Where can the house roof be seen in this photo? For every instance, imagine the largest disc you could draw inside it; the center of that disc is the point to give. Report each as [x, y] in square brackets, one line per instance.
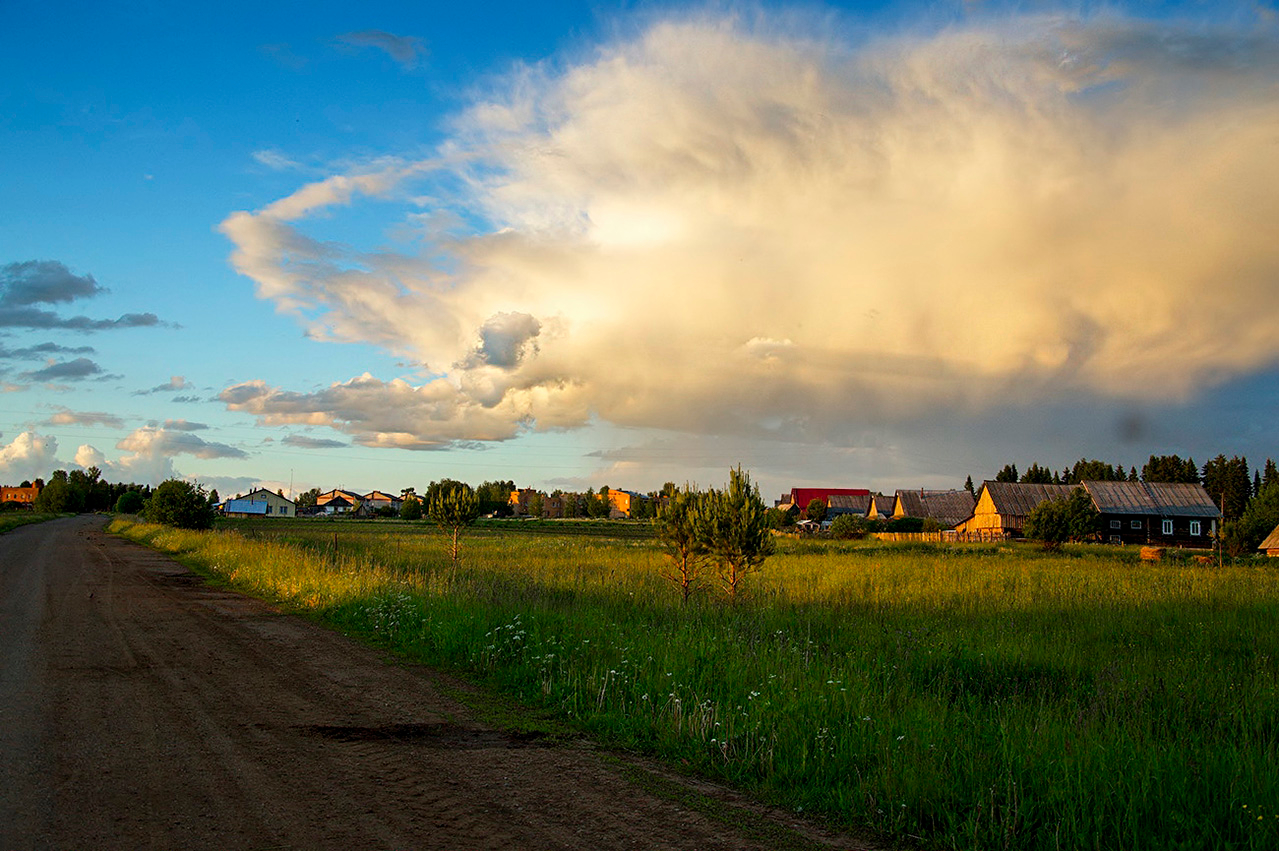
[337, 493]
[1021, 498]
[379, 496]
[1182, 499]
[1272, 541]
[803, 496]
[1160, 499]
[269, 492]
[245, 506]
[849, 502]
[949, 507]
[883, 503]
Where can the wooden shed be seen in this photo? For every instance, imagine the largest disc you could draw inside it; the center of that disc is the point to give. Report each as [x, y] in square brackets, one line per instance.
[949, 508]
[1001, 509]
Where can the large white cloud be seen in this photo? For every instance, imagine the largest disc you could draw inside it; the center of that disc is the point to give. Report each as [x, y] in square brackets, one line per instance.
[711, 228]
[28, 456]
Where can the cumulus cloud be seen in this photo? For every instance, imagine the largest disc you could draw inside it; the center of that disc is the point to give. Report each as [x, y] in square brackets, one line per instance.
[716, 228]
[150, 452]
[149, 440]
[89, 456]
[66, 416]
[30, 455]
[72, 370]
[33, 282]
[43, 282]
[405, 50]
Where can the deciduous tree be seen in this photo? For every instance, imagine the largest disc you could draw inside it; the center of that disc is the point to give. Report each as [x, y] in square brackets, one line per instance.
[180, 504]
[1059, 520]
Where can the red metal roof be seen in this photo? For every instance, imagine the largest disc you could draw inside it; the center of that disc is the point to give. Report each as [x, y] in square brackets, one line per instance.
[803, 496]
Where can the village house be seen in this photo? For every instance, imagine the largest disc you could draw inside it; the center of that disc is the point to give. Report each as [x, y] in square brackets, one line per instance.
[338, 501]
[840, 504]
[1270, 546]
[520, 499]
[259, 503]
[622, 503]
[1165, 513]
[24, 496]
[948, 508]
[1162, 513]
[374, 500]
[880, 507]
[1002, 507]
[799, 498]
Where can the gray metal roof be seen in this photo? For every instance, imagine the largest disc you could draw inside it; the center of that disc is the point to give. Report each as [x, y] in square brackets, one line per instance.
[1183, 500]
[1158, 499]
[1021, 498]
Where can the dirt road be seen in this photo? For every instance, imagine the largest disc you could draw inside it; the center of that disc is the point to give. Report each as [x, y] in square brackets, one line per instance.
[140, 708]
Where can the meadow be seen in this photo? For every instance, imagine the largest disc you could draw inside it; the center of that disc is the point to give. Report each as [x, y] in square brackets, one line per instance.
[935, 696]
[13, 519]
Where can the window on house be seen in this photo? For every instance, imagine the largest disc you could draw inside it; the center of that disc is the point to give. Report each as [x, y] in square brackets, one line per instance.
[1167, 527]
[1196, 528]
[268, 508]
[1116, 524]
[1136, 524]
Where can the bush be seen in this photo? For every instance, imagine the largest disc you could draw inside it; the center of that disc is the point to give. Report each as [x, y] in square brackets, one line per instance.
[1059, 520]
[848, 526]
[130, 502]
[411, 508]
[180, 504]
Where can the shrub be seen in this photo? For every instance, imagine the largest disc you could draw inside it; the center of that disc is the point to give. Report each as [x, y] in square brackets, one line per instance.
[130, 502]
[181, 505]
[848, 526]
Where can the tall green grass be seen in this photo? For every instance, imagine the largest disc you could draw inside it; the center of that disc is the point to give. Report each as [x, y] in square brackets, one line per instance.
[14, 519]
[945, 697]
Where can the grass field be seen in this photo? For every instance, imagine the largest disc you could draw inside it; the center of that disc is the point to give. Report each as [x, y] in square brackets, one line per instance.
[14, 519]
[975, 696]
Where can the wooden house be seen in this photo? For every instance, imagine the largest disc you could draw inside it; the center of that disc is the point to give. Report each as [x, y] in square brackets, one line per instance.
[1270, 546]
[801, 497]
[1001, 509]
[1172, 514]
[842, 503]
[880, 507]
[949, 508]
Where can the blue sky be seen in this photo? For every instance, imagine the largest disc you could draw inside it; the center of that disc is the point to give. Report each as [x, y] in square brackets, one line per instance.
[880, 245]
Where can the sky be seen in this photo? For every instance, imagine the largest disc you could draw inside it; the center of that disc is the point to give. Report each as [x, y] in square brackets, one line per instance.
[574, 244]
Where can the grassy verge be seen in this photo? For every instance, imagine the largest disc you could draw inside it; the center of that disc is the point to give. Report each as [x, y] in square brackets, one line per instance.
[14, 519]
[948, 697]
